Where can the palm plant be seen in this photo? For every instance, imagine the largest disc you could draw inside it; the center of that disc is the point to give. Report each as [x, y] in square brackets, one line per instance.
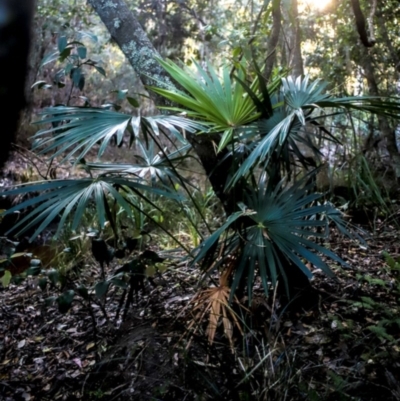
[260, 127]
[256, 127]
[66, 198]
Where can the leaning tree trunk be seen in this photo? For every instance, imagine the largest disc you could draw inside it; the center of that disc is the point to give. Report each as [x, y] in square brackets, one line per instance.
[133, 41]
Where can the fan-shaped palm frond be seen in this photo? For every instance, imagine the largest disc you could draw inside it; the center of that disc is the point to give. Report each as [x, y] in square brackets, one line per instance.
[76, 130]
[272, 133]
[156, 165]
[209, 98]
[294, 113]
[278, 228]
[300, 93]
[64, 198]
[223, 104]
[214, 301]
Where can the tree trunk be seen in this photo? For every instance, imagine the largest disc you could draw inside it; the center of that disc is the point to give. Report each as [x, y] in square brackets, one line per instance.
[386, 132]
[293, 39]
[361, 24]
[36, 54]
[396, 64]
[273, 39]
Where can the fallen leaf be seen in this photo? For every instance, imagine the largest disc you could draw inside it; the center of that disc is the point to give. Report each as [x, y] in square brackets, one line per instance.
[90, 345]
[78, 362]
[317, 339]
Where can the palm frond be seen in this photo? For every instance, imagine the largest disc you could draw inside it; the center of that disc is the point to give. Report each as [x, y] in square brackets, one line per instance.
[157, 166]
[389, 107]
[280, 223]
[221, 102]
[76, 130]
[61, 199]
[273, 132]
[215, 302]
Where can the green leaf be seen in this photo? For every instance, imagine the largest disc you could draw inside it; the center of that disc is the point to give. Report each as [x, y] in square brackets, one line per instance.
[42, 283]
[41, 85]
[100, 70]
[64, 301]
[133, 102]
[101, 288]
[119, 283]
[82, 52]
[282, 225]
[76, 76]
[83, 292]
[90, 35]
[85, 127]
[49, 58]
[53, 276]
[220, 102]
[381, 332]
[33, 270]
[121, 93]
[69, 198]
[62, 43]
[64, 54]
[6, 279]
[50, 300]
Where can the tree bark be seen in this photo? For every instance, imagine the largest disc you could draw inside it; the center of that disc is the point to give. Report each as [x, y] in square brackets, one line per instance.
[132, 40]
[293, 39]
[387, 133]
[35, 58]
[273, 39]
[361, 25]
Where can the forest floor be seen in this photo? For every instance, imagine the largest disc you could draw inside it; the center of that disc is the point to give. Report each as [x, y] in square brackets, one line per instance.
[345, 348]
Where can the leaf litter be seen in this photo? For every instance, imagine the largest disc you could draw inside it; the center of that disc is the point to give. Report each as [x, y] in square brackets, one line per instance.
[347, 347]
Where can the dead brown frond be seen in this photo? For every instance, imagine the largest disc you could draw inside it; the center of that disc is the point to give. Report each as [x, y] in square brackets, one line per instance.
[215, 302]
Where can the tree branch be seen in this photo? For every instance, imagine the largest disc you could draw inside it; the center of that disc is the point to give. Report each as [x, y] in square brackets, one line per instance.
[361, 25]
